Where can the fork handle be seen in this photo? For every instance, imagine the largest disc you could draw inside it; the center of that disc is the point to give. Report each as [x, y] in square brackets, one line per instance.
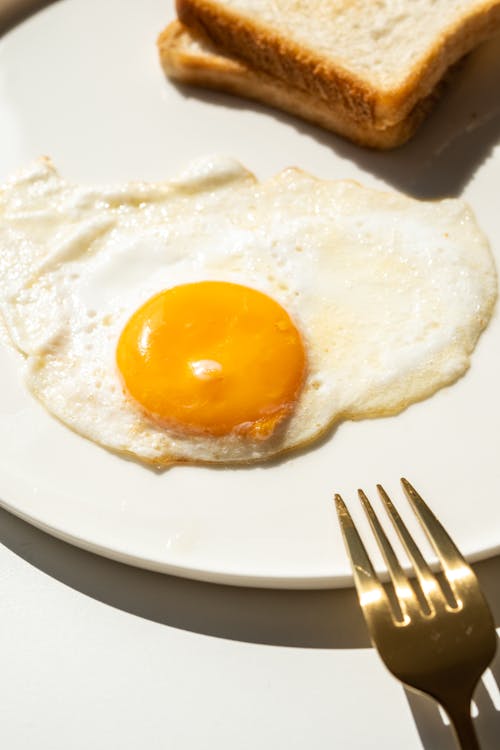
[461, 722]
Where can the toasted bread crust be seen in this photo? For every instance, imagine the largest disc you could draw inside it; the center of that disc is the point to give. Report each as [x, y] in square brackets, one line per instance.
[266, 50]
[213, 70]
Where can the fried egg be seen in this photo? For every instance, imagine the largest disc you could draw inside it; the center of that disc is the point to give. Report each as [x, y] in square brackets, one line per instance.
[216, 318]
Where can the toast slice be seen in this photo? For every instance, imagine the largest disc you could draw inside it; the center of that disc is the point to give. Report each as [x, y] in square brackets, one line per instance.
[371, 60]
[189, 58]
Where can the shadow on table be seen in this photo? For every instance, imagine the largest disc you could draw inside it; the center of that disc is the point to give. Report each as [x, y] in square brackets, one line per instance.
[308, 619]
[329, 619]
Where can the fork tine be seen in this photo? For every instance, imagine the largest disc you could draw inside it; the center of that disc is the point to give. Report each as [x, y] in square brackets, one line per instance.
[369, 588]
[426, 578]
[453, 563]
[405, 598]
[444, 546]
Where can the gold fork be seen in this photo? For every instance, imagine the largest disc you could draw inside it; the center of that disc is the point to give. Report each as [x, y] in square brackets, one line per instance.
[434, 634]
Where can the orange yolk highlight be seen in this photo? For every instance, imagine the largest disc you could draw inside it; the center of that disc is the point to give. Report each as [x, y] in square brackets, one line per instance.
[211, 358]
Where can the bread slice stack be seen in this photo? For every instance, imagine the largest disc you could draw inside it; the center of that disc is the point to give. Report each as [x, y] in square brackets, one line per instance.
[369, 70]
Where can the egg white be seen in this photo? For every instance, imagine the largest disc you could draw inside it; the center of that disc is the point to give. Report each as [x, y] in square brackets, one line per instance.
[390, 294]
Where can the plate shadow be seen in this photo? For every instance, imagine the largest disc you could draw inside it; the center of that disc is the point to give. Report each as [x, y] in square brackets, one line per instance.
[303, 619]
[13, 12]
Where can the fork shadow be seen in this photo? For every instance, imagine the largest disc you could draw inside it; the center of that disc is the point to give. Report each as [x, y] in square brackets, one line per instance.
[433, 731]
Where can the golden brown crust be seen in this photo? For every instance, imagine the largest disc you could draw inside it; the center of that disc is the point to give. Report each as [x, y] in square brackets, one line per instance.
[460, 39]
[214, 70]
[284, 59]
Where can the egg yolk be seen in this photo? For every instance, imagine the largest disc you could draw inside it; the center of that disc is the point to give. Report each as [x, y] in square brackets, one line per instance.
[213, 357]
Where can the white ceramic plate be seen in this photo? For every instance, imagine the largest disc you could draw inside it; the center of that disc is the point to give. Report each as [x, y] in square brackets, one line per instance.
[80, 81]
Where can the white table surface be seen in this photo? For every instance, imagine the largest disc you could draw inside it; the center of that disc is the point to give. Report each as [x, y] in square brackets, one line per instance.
[102, 655]
[96, 654]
